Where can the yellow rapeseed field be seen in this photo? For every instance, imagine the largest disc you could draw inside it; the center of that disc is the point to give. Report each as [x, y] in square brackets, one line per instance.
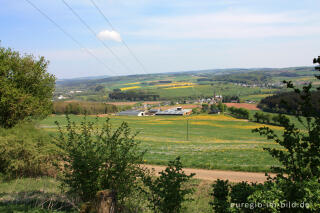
[128, 88]
[206, 123]
[214, 118]
[176, 84]
[256, 126]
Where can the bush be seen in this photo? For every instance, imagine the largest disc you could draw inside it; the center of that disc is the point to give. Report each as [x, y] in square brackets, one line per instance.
[99, 158]
[167, 192]
[26, 151]
[276, 196]
[204, 107]
[196, 111]
[221, 199]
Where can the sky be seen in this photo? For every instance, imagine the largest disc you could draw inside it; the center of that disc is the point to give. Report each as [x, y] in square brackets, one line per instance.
[164, 35]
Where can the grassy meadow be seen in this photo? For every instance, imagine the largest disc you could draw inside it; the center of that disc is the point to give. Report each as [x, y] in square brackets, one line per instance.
[44, 195]
[214, 141]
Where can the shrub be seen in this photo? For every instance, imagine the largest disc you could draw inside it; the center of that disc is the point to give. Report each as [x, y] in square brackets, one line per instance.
[196, 111]
[281, 195]
[168, 192]
[204, 107]
[99, 158]
[26, 151]
[221, 198]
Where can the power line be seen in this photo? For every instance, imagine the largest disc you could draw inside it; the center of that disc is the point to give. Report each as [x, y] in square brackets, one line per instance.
[95, 35]
[123, 42]
[69, 35]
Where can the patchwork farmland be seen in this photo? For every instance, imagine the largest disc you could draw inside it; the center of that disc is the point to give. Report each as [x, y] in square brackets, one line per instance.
[213, 141]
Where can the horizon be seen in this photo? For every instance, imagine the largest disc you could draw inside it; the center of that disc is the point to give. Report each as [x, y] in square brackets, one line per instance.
[165, 36]
[182, 71]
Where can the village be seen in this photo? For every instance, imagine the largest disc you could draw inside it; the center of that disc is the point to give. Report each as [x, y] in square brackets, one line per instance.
[149, 110]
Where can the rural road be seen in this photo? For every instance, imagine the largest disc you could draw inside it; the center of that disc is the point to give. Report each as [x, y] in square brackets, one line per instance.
[213, 175]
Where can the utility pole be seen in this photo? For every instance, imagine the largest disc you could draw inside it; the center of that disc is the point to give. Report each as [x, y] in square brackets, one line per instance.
[187, 129]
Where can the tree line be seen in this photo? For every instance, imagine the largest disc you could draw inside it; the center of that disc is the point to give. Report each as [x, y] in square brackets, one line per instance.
[288, 102]
[245, 78]
[89, 108]
[134, 96]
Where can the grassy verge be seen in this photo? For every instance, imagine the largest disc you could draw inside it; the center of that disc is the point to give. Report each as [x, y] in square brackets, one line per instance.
[33, 195]
[43, 195]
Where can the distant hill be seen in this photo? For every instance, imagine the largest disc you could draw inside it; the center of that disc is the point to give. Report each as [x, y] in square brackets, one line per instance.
[208, 73]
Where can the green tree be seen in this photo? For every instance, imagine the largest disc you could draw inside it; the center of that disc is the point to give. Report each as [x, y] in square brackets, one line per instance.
[26, 87]
[222, 107]
[205, 107]
[214, 107]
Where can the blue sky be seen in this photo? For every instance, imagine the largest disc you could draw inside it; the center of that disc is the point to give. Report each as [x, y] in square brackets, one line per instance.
[166, 35]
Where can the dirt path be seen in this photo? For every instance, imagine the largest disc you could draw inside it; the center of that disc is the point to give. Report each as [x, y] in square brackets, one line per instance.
[213, 175]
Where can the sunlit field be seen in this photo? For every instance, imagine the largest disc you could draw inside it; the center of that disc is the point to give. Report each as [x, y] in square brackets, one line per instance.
[211, 142]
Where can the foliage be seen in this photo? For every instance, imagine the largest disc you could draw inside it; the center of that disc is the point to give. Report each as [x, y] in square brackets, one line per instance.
[239, 112]
[221, 199]
[300, 156]
[133, 96]
[26, 151]
[245, 78]
[228, 98]
[288, 102]
[233, 197]
[262, 117]
[196, 111]
[296, 188]
[222, 107]
[99, 158]
[26, 87]
[298, 179]
[287, 196]
[167, 192]
[89, 108]
[204, 107]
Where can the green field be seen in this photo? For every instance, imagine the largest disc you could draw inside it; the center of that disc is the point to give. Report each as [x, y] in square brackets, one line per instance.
[214, 141]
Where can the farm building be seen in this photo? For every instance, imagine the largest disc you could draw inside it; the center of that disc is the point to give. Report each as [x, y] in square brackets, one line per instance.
[175, 111]
[132, 113]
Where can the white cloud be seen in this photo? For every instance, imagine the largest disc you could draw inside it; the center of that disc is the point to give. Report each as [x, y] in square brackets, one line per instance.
[109, 35]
